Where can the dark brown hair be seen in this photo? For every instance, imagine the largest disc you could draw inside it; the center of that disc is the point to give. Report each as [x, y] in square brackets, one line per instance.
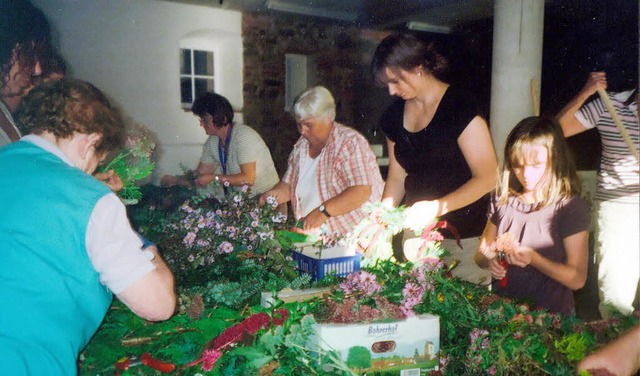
[407, 51]
[25, 32]
[215, 105]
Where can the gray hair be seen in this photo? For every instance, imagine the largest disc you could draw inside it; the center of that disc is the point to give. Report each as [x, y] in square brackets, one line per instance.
[315, 102]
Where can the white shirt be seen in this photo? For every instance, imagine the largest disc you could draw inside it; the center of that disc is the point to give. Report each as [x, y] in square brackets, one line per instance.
[114, 248]
[307, 191]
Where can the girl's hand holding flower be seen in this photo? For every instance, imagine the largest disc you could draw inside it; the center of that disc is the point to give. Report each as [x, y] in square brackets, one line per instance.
[489, 251]
[522, 256]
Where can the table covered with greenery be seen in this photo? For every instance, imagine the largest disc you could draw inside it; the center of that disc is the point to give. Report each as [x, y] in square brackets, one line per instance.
[226, 254]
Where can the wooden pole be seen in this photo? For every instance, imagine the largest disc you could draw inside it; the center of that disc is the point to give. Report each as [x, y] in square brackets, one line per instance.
[618, 122]
[535, 104]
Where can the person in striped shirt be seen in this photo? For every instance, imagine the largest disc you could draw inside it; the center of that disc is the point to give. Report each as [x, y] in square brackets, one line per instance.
[617, 195]
[332, 171]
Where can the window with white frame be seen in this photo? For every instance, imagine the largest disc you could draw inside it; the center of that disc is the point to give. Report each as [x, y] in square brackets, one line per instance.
[196, 74]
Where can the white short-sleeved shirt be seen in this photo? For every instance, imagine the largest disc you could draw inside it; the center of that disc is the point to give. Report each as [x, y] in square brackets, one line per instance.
[114, 248]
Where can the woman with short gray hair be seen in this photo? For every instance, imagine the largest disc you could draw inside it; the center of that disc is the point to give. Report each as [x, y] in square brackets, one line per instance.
[332, 170]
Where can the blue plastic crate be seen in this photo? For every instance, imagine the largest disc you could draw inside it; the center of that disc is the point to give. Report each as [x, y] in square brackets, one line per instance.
[318, 269]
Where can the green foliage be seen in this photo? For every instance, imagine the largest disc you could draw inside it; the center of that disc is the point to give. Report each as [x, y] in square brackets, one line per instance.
[574, 345]
[133, 163]
[480, 333]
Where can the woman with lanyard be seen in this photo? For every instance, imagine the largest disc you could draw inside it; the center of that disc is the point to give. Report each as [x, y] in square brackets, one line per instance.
[236, 155]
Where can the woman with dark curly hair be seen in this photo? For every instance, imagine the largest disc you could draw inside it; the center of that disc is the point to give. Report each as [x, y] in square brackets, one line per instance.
[25, 38]
[65, 241]
[441, 157]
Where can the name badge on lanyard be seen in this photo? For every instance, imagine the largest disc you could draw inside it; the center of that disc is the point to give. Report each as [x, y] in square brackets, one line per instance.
[223, 153]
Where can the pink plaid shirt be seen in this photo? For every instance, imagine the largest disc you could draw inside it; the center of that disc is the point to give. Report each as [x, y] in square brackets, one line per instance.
[345, 161]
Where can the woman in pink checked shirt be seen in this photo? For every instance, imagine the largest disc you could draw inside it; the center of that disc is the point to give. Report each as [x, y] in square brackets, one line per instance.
[332, 170]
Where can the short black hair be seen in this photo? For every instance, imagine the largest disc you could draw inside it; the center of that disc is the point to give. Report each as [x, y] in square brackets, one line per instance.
[215, 105]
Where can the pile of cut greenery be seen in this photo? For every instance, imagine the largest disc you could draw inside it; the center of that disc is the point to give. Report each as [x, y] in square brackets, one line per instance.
[481, 333]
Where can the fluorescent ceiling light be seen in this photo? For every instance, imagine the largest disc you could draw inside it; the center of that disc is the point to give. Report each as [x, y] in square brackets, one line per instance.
[424, 26]
[310, 11]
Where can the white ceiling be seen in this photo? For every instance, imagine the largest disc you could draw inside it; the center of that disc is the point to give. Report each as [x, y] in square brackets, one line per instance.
[438, 15]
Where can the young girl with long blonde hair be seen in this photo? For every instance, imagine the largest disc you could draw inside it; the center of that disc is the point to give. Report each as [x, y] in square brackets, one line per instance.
[535, 243]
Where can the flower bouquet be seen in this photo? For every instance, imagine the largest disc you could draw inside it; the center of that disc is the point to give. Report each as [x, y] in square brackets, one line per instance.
[133, 163]
[372, 236]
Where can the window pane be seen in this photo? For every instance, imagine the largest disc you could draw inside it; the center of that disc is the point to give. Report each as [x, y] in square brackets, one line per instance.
[185, 90]
[203, 85]
[203, 62]
[185, 61]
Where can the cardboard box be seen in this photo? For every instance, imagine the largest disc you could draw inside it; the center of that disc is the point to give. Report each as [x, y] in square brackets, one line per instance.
[406, 348]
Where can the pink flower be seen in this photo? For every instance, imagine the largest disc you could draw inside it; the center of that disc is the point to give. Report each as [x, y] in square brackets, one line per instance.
[407, 310]
[226, 247]
[411, 290]
[209, 359]
[506, 243]
[188, 240]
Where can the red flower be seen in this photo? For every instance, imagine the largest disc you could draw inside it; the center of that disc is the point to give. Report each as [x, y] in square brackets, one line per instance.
[209, 359]
[232, 335]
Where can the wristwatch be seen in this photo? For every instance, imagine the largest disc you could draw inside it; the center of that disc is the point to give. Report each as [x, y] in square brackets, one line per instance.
[324, 211]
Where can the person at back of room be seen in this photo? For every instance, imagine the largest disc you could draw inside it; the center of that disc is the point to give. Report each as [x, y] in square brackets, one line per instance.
[535, 243]
[234, 155]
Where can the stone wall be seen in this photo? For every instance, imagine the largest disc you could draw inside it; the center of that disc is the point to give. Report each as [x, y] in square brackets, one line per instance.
[341, 55]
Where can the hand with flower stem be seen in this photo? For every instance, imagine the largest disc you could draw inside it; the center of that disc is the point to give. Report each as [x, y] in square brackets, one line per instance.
[497, 270]
[313, 221]
[522, 256]
[421, 214]
[111, 179]
[204, 179]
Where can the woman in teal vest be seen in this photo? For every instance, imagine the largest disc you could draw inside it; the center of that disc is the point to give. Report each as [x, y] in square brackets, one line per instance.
[65, 242]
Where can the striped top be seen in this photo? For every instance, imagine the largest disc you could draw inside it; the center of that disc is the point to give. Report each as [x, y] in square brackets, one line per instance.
[246, 146]
[618, 177]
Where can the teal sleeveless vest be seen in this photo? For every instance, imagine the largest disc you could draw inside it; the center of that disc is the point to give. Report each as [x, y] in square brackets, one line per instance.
[52, 299]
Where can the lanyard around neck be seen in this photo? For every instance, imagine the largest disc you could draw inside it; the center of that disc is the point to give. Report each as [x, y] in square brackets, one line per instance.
[223, 153]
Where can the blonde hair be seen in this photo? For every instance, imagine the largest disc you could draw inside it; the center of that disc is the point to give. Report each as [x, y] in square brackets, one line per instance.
[316, 102]
[560, 180]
